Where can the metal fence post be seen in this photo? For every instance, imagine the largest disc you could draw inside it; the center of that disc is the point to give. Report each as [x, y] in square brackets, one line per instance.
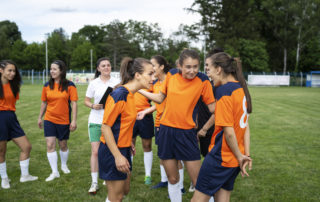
[32, 76]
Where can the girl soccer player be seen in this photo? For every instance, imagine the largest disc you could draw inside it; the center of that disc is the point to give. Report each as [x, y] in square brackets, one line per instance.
[96, 90]
[57, 94]
[182, 89]
[229, 148]
[10, 127]
[114, 153]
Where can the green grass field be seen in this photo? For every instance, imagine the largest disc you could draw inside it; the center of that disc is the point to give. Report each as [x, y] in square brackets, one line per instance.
[285, 147]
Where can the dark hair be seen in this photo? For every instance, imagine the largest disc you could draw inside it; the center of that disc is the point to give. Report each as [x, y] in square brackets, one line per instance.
[97, 73]
[63, 84]
[232, 66]
[15, 83]
[162, 61]
[214, 51]
[186, 53]
[129, 67]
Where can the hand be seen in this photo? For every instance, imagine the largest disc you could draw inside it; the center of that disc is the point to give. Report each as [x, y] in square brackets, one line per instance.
[202, 132]
[97, 106]
[73, 126]
[243, 162]
[40, 123]
[133, 149]
[122, 164]
[140, 115]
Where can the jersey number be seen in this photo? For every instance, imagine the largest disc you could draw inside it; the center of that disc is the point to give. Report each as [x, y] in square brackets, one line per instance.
[245, 114]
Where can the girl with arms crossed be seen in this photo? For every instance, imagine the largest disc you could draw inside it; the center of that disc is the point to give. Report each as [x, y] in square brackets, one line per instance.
[10, 128]
[229, 151]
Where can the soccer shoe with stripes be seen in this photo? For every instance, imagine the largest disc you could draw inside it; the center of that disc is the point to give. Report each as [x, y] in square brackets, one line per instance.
[147, 180]
[27, 178]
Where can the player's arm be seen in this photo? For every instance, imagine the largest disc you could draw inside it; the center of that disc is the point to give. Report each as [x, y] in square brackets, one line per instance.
[203, 131]
[247, 144]
[122, 163]
[233, 145]
[88, 103]
[73, 124]
[146, 111]
[155, 97]
[43, 108]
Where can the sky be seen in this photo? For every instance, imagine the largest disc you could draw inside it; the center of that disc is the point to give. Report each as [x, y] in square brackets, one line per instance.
[35, 18]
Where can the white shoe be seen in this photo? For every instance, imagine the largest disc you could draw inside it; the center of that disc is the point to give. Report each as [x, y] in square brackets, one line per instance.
[65, 170]
[52, 176]
[5, 183]
[28, 178]
[94, 188]
[191, 188]
[104, 182]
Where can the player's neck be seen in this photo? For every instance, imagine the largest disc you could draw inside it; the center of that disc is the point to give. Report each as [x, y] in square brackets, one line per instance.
[4, 80]
[104, 78]
[228, 78]
[162, 77]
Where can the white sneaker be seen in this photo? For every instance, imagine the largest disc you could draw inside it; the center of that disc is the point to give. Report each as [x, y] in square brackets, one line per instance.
[94, 188]
[5, 183]
[28, 178]
[65, 170]
[104, 182]
[191, 188]
[52, 176]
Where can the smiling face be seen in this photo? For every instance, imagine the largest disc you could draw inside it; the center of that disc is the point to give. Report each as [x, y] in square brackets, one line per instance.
[8, 72]
[189, 68]
[158, 70]
[213, 72]
[55, 71]
[104, 68]
[147, 75]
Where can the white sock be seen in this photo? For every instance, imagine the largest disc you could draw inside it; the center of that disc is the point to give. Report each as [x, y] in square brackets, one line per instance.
[181, 178]
[147, 157]
[174, 192]
[53, 161]
[24, 166]
[164, 177]
[3, 170]
[94, 176]
[64, 158]
[211, 199]
[131, 159]
[107, 200]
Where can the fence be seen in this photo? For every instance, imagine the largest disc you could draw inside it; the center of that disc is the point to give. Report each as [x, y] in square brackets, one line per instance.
[38, 77]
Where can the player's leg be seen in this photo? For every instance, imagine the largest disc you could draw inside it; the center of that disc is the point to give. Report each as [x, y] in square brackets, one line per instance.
[171, 168]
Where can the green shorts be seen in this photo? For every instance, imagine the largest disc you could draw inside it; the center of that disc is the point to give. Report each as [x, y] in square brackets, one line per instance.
[94, 132]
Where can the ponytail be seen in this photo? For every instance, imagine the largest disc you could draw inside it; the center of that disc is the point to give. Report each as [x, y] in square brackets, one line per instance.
[239, 76]
[162, 61]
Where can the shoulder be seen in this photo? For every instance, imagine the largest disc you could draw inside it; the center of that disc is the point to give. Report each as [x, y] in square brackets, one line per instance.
[119, 94]
[202, 76]
[156, 81]
[226, 89]
[46, 84]
[70, 83]
[174, 71]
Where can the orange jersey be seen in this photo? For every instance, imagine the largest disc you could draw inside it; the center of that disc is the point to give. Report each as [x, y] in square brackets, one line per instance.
[141, 101]
[58, 103]
[231, 110]
[120, 114]
[8, 102]
[182, 97]
[160, 107]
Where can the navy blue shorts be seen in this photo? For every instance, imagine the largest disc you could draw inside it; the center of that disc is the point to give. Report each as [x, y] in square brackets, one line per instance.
[60, 131]
[9, 126]
[180, 144]
[156, 132]
[212, 176]
[144, 127]
[107, 165]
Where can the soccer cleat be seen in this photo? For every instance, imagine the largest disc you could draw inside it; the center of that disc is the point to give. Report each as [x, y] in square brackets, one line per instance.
[52, 176]
[94, 188]
[5, 183]
[191, 188]
[65, 169]
[183, 191]
[160, 185]
[147, 180]
[28, 178]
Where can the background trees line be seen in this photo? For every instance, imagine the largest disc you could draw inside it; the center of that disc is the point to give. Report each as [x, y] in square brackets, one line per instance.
[268, 35]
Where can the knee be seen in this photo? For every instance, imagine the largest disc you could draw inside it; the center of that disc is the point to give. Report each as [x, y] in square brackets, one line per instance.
[51, 147]
[126, 191]
[147, 146]
[94, 153]
[173, 179]
[63, 146]
[27, 148]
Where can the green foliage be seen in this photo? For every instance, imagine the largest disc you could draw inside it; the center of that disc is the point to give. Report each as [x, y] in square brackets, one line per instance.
[254, 56]
[17, 53]
[34, 57]
[80, 58]
[9, 33]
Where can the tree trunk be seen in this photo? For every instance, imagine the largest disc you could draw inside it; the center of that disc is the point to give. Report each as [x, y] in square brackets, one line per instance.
[284, 60]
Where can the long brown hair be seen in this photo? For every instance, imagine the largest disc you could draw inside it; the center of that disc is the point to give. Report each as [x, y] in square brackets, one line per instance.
[232, 66]
[15, 83]
[63, 84]
[129, 67]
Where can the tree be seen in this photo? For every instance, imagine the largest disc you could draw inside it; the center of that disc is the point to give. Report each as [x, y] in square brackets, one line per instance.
[58, 46]
[17, 53]
[80, 58]
[34, 56]
[9, 33]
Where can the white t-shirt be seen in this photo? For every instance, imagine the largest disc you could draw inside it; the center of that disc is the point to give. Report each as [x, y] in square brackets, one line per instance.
[96, 90]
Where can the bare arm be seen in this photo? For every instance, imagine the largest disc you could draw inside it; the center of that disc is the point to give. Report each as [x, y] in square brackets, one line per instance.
[88, 103]
[233, 145]
[122, 163]
[155, 97]
[43, 108]
[203, 131]
[149, 110]
[247, 144]
[73, 124]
